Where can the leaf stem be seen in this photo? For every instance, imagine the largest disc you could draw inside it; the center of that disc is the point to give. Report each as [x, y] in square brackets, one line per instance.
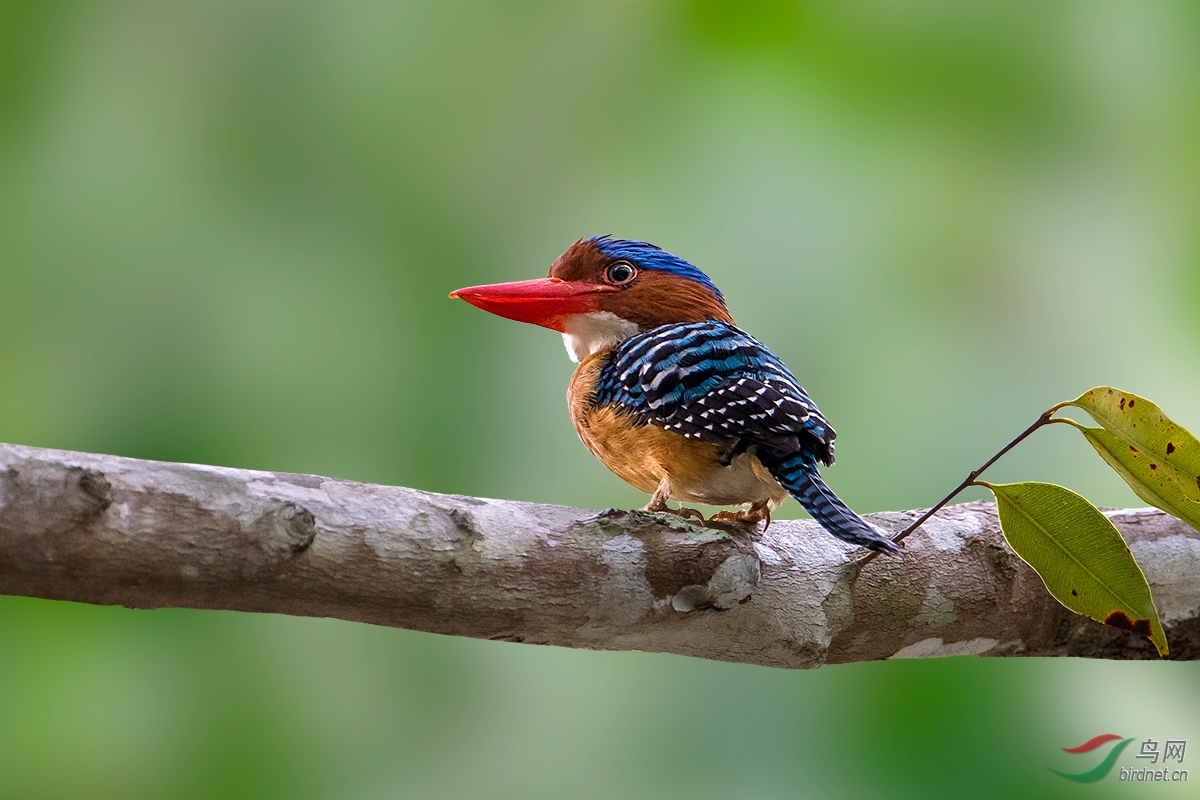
[1044, 419]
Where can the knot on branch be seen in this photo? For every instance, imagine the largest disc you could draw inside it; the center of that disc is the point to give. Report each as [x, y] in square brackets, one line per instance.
[49, 512]
[689, 567]
[287, 530]
[95, 486]
[731, 585]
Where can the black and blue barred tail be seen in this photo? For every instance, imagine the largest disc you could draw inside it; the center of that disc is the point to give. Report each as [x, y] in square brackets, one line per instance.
[798, 473]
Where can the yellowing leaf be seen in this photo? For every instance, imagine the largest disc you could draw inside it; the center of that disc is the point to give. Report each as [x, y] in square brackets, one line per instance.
[1157, 458]
[1080, 556]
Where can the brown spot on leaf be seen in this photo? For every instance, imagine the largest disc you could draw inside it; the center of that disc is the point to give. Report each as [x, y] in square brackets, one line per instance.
[1074, 593]
[1133, 449]
[1122, 403]
[1170, 448]
[1119, 619]
[1154, 466]
[1131, 402]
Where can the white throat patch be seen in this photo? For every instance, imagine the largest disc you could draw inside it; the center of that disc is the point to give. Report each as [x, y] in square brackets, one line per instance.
[589, 333]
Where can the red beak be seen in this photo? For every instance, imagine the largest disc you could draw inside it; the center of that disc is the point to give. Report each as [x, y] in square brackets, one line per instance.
[544, 301]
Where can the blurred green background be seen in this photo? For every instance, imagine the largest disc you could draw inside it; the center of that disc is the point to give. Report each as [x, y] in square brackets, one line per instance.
[227, 232]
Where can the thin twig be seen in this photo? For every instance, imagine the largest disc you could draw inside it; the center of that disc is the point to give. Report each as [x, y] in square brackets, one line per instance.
[970, 479]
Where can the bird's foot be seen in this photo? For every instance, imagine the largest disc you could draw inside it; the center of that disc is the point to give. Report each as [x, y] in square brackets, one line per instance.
[754, 515]
[658, 504]
[688, 513]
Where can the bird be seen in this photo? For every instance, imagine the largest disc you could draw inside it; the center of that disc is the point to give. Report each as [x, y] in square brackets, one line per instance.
[671, 395]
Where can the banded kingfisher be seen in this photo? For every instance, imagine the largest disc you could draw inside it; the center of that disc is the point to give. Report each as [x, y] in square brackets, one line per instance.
[671, 395]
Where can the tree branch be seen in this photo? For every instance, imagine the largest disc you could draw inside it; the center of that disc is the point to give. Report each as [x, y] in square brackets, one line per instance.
[109, 530]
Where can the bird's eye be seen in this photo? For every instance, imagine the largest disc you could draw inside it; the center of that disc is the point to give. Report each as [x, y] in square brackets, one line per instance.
[621, 273]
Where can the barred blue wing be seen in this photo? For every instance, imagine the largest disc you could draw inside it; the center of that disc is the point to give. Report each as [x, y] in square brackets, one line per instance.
[711, 381]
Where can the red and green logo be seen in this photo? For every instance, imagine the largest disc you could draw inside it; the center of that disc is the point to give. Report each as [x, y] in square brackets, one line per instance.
[1104, 767]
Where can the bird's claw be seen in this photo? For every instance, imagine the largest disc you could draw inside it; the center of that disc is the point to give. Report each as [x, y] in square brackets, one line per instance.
[753, 515]
[688, 513]
[658, 505]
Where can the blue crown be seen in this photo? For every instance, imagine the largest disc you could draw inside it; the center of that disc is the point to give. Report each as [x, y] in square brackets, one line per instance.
[648, 256]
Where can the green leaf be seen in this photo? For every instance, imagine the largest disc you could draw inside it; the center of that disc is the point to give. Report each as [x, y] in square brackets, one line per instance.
[1080, 556]
[1157, 458]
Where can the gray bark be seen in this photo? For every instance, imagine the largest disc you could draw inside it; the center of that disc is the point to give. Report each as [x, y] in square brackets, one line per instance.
[142, 534]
